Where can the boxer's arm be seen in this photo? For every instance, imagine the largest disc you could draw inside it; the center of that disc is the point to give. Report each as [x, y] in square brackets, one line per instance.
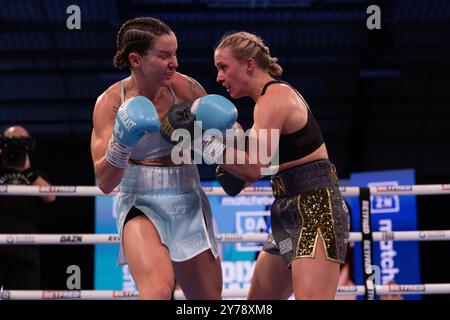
[105, 112]
[269, 116]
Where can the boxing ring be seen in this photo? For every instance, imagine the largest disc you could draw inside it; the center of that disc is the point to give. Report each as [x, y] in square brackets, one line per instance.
[91, 239]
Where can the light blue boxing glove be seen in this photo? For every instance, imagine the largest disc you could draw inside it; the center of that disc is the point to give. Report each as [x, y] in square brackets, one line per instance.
[135, 117]
[214, 112]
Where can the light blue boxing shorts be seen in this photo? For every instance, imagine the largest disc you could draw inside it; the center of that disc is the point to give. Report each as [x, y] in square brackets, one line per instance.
[174, 201]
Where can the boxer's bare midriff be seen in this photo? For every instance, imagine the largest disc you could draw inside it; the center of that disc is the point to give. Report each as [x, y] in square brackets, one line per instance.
[165, 161]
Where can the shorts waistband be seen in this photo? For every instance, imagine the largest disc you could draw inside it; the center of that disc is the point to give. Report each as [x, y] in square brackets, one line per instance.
[139, 179]
[304, 178]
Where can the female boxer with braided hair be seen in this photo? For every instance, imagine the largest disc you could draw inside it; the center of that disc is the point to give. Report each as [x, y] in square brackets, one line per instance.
[163, 216]
[309, 218]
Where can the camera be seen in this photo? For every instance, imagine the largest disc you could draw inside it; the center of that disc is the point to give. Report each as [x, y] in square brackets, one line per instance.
[13, 151]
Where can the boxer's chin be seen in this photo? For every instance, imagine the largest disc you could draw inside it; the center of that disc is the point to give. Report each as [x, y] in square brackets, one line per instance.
[168, 79]
[230, 92]
[234, 94]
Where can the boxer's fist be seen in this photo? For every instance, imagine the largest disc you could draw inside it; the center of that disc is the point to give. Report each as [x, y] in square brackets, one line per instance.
[215, 112]
[135, 117]
[231, 184]
[178, 117]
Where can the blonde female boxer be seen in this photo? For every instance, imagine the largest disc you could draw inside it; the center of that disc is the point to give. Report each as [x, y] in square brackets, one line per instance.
[309, 219]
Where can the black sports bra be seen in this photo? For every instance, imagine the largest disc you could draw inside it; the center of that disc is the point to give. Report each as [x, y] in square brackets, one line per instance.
[302, 142]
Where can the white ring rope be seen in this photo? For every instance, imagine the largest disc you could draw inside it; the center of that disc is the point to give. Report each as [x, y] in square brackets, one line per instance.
[87, 239]
[71, 239]
[390, 289]
[81, 191]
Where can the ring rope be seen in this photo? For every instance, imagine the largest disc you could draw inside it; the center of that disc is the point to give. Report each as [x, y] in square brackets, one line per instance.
[88, 239]
[390, 289]
[82, 191]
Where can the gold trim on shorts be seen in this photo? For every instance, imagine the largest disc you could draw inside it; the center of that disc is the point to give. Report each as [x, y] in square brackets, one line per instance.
[278, 187]
[316, 211]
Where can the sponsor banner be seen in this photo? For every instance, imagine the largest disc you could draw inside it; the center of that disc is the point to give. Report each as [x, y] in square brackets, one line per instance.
[237, 274]
[114, 239]
[385, 203]
[73, 238]
[367, 244]
[251, 222]
[58, 189]
[397, 261]
[438, 234]
[125, 294]
[407, 288]
[58, 295]
[390, 186]
[348, 289]
[241, 214]
[22, 239]
[107, 274]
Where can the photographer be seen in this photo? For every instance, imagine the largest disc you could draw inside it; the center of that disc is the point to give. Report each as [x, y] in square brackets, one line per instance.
[19, 264]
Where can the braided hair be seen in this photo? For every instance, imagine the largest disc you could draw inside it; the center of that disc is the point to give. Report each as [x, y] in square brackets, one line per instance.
[245, 45]
[137, 35]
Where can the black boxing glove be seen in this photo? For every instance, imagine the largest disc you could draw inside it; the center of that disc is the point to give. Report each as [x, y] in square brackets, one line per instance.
[31, 175]
[231, 184]
[178, 117]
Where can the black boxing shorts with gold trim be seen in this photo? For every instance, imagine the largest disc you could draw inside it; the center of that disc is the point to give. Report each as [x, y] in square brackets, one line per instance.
[308, 208]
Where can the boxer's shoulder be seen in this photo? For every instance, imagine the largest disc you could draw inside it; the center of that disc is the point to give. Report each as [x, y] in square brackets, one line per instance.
[109, 100]
[187, 88]
[275, 91]
[271, 103]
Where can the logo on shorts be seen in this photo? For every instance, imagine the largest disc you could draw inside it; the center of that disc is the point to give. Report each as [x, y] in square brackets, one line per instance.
[285, 246]
[190, 243]
[344, 206]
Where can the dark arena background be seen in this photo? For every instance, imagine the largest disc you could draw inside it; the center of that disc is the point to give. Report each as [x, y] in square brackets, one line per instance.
[380, 95]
